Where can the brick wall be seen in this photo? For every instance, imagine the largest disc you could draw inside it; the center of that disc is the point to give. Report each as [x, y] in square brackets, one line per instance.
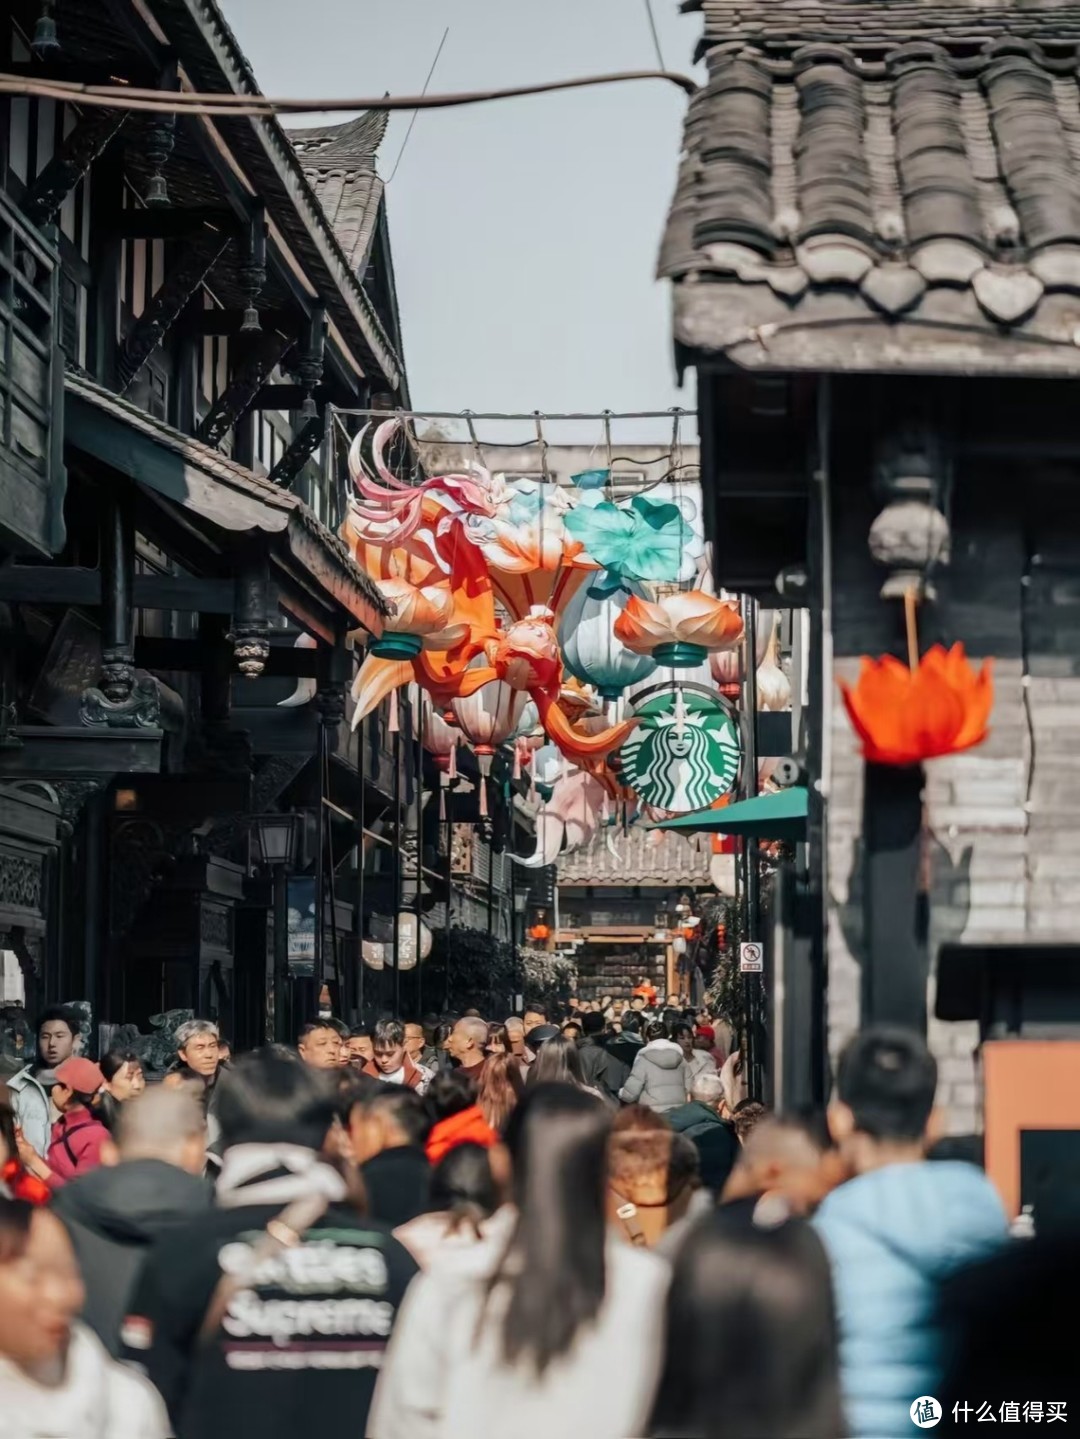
[1003, 818]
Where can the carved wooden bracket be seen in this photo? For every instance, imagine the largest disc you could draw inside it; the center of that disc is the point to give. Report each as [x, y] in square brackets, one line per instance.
[71, 162]
[303, 446]
[264, 353]
[161, 313]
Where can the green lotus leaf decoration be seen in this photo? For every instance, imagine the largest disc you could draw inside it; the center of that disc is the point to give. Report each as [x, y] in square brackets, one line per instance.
[642, 540]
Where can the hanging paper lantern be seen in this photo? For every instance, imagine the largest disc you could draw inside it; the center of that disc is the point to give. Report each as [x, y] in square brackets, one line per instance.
[590, 648]
[904, 716]
[773, 685]
[729, 667]
[539, 932]
[489, 717]
[414, 941]
[681, 629]
[439, 739]
[683, 753]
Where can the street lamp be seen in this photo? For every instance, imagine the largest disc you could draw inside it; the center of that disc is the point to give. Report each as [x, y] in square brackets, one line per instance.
[275, 838]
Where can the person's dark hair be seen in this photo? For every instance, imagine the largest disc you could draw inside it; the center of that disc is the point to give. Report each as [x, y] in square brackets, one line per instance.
[269, 1100]
[361, 1031]
[630, 1021]
[401, 1106]
[8, 1147]
[679, 1028]
[313, 1026]
[330, 1022]
[449, 1093]
[654, 1030]
[463, 1186]
[443, 1030]
[554, 1264]
[60, 1012]
[389, 1034]
[592, 1023]
[557, 1062]
[498, 1032]
[112, 1063]
[751, 1336]
[352, 1087]
[887, 1077]
[15, 1218]
[540, 1009]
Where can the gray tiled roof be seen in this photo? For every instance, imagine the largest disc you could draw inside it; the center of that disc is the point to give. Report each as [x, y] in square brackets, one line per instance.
[851, 166]
[641, 857]
[339, 164]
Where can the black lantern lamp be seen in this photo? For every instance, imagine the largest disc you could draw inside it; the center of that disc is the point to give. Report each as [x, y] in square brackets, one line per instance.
[275, 839]
[46, 42]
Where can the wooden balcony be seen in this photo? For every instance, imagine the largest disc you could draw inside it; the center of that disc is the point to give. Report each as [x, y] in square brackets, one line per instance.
[32, 475]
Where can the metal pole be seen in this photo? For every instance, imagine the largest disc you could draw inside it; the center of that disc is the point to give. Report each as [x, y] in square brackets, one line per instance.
[418, 770]
[396, 873]
[320, 871]
[282, 1017]
[358, 918]
[449, 895]
[752, 983]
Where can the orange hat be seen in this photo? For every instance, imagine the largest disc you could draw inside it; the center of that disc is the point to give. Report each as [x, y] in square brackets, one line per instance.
[81, 1075]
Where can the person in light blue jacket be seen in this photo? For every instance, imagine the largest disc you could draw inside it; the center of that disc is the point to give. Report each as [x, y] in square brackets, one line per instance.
[896, 1230]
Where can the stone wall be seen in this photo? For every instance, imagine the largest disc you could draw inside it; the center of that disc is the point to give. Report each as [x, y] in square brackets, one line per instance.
[1003, 819]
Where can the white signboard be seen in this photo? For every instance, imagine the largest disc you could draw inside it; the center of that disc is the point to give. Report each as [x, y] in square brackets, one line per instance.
[751, 957]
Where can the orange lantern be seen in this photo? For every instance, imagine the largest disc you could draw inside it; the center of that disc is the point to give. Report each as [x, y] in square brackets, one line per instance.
[904, 714]
[680, 630]
[539, 932]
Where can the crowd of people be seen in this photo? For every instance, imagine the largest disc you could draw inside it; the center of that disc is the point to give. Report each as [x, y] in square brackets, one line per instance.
[573, 1222]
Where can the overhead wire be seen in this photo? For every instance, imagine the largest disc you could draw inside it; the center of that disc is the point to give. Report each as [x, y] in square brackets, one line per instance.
[213, 104]
[423, 92]
[655, 34]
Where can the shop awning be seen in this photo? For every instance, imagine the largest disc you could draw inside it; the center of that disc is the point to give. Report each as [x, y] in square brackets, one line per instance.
[769, 816]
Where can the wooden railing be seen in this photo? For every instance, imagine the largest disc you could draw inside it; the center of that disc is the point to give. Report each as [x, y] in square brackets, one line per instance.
[32, 476]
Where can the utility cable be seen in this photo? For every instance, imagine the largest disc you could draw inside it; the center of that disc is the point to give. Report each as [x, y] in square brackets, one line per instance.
[210, 103]
[423, 94]
[655, 35]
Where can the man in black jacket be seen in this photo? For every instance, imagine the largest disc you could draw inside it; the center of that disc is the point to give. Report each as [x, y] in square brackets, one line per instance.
[603, 1070]
[626, 1046]
[117, 1211]
[387, 1129]
[247, 1328]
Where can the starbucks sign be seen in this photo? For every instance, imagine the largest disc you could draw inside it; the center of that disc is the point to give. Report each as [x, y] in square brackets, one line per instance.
[684, 753]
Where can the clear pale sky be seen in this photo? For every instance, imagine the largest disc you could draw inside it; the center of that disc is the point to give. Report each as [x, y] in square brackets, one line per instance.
[525, 232]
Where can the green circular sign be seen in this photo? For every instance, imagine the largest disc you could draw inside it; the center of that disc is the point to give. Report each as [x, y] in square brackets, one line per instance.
[681, 757]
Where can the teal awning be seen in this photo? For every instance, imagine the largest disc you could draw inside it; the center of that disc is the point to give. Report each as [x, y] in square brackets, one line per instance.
[769, 816]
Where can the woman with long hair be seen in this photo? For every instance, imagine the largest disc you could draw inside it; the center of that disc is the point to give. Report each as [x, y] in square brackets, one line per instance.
[559, 1062]
[751, 1343]
[499, 1090]
[550, 1320]
[464, 1195]
[54, 1373]
[498, 1040]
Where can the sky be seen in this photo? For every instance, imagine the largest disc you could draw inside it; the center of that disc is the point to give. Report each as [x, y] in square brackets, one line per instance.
[524, 232]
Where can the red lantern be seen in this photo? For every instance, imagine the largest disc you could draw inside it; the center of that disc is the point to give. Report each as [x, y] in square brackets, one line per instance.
[539, 932]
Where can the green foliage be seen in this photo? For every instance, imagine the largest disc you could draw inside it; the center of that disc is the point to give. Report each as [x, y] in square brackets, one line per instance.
[484, 976]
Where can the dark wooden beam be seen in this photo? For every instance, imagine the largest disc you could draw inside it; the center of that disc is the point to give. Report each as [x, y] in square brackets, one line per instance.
[189, 656]
[183, 279]
[44, 751]
[70, 163]
[168, 222]
[297, 455]
[263, 353]
[54, 585]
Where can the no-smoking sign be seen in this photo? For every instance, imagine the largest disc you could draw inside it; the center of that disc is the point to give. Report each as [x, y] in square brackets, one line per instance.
[751, 957]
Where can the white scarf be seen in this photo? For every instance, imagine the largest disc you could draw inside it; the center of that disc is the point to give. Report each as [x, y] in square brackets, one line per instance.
[241, 1180]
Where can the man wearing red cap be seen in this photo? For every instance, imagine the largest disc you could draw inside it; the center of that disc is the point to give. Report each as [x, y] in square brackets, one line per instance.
[78, 1136]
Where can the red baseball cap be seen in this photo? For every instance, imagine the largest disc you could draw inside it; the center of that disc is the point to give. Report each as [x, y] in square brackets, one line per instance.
[707, 1032]
[81, 1075]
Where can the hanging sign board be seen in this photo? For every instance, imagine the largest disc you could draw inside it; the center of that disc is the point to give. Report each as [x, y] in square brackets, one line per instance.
[302, 927]
[751, 957]
[684, 754]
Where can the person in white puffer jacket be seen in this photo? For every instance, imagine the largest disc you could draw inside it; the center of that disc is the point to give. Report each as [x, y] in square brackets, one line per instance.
[55, 1375]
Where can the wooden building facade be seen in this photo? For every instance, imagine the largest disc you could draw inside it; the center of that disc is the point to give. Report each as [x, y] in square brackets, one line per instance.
[875, 254]
[181, 301]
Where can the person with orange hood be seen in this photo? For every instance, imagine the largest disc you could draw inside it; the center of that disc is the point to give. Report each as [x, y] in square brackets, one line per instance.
[458, 1118]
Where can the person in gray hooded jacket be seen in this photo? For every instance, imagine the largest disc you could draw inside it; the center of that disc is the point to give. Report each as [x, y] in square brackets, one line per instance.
[660, 1078]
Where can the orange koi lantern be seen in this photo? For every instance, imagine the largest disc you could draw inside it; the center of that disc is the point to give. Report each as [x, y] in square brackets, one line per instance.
[904, 715]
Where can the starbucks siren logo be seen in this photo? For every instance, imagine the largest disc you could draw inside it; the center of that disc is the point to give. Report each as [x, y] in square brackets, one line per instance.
[684, 753]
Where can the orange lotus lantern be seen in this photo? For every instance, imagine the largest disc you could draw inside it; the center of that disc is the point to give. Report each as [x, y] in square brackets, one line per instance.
[904, 714]
[680, 630]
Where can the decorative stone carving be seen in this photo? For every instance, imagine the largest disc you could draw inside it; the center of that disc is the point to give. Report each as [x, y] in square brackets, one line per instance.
[20, 881]
[139, 708]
